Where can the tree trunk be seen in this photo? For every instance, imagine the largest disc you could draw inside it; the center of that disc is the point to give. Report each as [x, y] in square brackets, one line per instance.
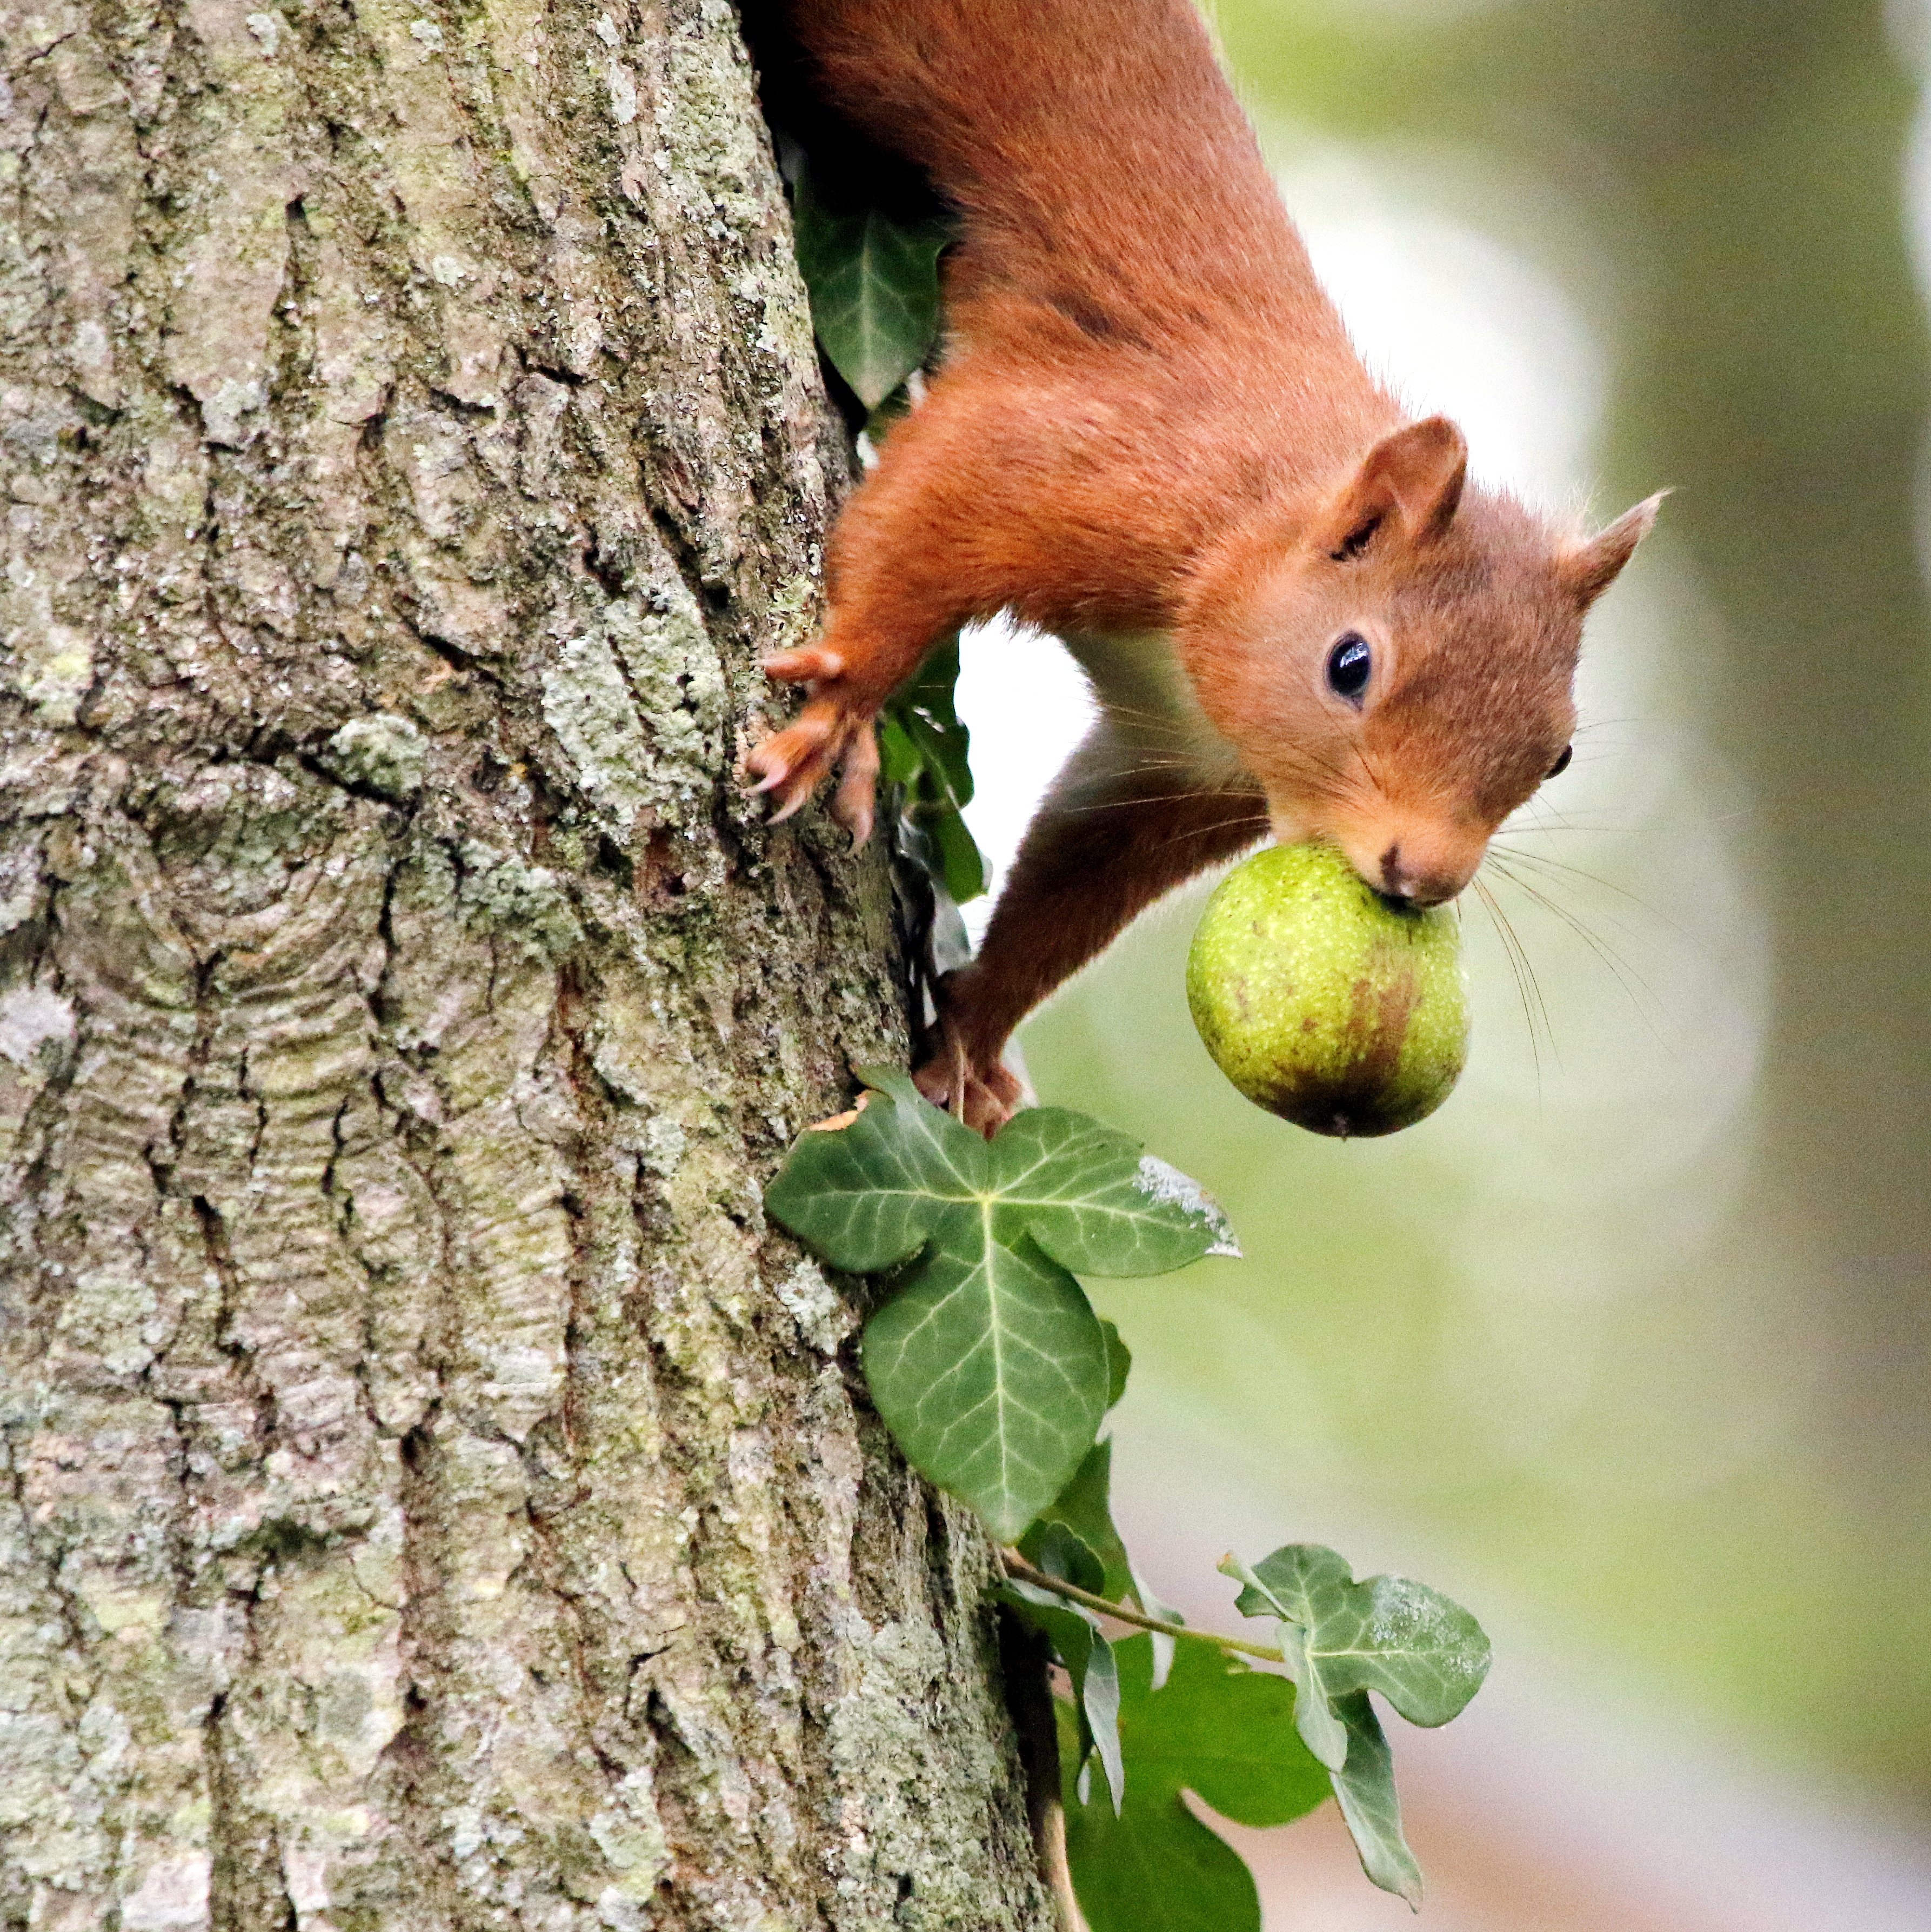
[436, 1499]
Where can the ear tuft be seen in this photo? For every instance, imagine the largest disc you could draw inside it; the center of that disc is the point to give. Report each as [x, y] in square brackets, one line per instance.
[1591, 568]
[1412, 479]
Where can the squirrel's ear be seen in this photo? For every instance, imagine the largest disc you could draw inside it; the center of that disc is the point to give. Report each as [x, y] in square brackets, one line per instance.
[1591, 569]
[1413, 478]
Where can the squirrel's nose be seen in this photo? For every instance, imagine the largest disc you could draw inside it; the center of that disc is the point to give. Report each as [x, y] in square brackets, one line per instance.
[1400, 880]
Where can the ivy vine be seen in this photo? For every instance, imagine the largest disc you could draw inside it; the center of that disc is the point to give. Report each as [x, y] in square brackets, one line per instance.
[995, 1376]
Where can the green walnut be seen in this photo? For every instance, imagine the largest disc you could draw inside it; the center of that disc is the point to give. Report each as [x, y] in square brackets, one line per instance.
[1322, 1001]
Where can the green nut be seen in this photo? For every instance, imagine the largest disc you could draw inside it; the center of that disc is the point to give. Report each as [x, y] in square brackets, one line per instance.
[1323, 1002]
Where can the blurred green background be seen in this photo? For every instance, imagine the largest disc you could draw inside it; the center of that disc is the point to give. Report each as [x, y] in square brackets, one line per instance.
[1628, 1347]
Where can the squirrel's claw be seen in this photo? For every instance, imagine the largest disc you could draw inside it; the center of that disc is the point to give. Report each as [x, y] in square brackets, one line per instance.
[858, 784]
[984, 1097]
[828, 735]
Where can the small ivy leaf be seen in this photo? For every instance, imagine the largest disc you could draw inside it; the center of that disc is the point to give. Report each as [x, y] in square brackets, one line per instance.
[1424, 1653]
[961, 865]
[1090, 1663]
[1218, 1730]
[1099, 1698]
[924, 749]
[1118, 1362]
[1082, 1512]
[932, 697]
[1341, 1640]
[1060, 1552]
[1366, 1791]
[899, 759]
[873, 282]
[1163, 1644]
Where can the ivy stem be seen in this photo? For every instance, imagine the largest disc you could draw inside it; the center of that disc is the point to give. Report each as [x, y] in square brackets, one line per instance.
[1022, 1572]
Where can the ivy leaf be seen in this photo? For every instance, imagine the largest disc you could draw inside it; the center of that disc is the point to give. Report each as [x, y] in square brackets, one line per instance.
[873, 282]
[1091, 1666]
[869, 1196]
[1090, 1198]
[1366, 1790]
[924, 747]
[929, 707]
[1426, 1655]
[1118, 1362]
[1341, 1639]
[990, 1370]
[988, 1365]
[1165, 1644]
[1060, 1552]
[961, 867]
[1081, 1513]
[1219, 1730]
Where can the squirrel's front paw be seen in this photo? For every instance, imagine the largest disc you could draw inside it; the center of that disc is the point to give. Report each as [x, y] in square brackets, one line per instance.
[833, 732]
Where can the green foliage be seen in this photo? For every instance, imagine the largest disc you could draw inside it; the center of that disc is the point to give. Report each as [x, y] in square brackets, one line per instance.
[1218, 1728]
[988, 1364]
[1073, 1537]
[873, 282]
[1423, 1653]
[1092, 1669]
[923, 749]
[1339, 1640]
[992, 1373]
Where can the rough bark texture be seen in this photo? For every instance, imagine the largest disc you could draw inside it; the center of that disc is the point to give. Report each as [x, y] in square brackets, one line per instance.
[433, 1498]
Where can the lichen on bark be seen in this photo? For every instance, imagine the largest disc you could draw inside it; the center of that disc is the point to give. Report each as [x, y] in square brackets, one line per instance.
[434, 1497]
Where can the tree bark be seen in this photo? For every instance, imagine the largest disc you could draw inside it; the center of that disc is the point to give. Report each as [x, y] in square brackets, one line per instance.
[434, 1498]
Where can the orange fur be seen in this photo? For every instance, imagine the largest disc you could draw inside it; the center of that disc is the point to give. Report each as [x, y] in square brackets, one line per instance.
[1150, 435]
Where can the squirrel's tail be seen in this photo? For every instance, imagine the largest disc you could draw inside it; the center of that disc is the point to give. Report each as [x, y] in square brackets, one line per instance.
[1076, 138]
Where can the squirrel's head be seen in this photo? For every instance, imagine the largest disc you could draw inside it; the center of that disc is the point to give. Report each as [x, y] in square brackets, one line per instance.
[1399, 676]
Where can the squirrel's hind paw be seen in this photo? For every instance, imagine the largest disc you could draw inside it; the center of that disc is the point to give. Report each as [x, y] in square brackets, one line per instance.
[828, 736]
[985, 1097]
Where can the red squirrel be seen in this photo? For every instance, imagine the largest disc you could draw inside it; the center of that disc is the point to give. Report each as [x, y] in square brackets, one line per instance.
[1149, 435]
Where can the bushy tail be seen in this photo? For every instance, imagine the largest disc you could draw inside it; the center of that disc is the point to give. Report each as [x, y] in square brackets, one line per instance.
[1090, 136]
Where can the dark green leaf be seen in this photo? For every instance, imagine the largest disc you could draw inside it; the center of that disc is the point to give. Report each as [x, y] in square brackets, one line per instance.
[900, 760]
[924, 747]
[870, 1195]
[990, 1370]
[873, 282]
[1089, 1661]
[961, 865]
[1082, 1511]
[1118, 1362]
[1220, 1730]
[929, 703]
[989, 1365]
[1087, 1196]
[1061, 1552]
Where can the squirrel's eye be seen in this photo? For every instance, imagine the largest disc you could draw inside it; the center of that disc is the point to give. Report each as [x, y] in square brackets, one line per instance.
[1561, 765]
[1349, 666]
